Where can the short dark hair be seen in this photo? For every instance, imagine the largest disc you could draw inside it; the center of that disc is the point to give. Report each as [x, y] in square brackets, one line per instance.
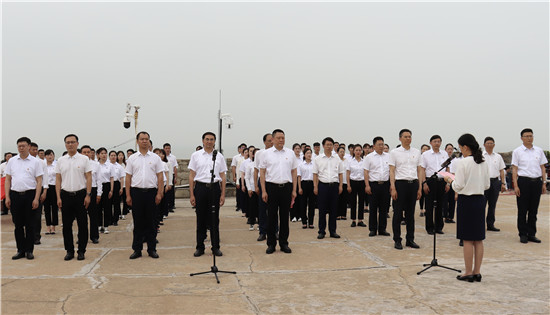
[488, 139]
[328, 139]
[142, 133]
[277, 130]
[296, 145]
[34, 145]
[85, 147]
[101, 150]
[243, 145]
[92, 149]
[48, 152]
[6, 154]
[265, 137]
[377, 138]
[24, 139]
[40, 150]
[351, 146]
[434, 137]
[526, 130]
[130, 150]
[424, 145]
[166, 145]
[70, 135]
[316, 144]
[208, 133]
[402, 131]
[449, 144]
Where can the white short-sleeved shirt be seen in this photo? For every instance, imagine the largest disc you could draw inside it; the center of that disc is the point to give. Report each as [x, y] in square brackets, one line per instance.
[431, 161]
[73, 171]
[305, 170]
[406, 163]
[278, 165]
[173, 161]
[51, 174]
[249, 176]
[258, 159]
[529, 161]
[144, 169]
[119, 171]
[378, 166]
[471, 178]
[495, 163]
[237, 161]
[3, 169]
[24, 172]
[356, 169]
[106, 171]
[201, 163]
[328, 168]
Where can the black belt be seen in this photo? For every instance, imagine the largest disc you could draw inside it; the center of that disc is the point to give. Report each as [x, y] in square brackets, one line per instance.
[532, 179]
[73, 193]
[494, 178]
[379, 182]
[330, 184]
[21, 193]
[278, 185]
[144, 189]
[411, 181]
[307, 181]
[207, 185]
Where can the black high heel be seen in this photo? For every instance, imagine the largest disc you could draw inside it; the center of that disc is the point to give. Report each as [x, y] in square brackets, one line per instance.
[469, 278]
[477, 277]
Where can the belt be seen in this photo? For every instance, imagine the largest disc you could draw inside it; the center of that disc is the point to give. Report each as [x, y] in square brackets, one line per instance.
[533, 179]
[379, 182]
[330, 184]
[408, 181]
[307, 181]
[278, 185]
[144, 189]
[21, 193]
[207, 185]
[73, 193]
[494, 178]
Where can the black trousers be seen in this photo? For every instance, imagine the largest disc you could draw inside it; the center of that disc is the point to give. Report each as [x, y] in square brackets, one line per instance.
[239, 195]
[104, 206]
[73, 208]
[262, 212]
[93, 215]
[327, 199]
[406, 201]
[528, 205]
[343, 199]
[125, 207]
[278, 208]
[38, 219]
[144, 210]
[491, 195]
[295, 210]
[307, 203]
[203, 197]
[357, 199]
[170, 195]
[449, 204]
[244, 196]
[252, 208]
[50, 207]
[161, 208]
[379, 206]
[116, 203]
[23, 217]
[434, 205]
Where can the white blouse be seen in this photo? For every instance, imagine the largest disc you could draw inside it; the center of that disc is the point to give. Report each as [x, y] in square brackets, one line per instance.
[471, 178]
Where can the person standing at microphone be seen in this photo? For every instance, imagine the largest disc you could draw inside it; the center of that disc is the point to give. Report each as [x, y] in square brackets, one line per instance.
[201, 188]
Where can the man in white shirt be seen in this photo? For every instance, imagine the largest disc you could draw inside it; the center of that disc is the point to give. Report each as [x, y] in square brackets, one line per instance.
[529, 178]
[44, 192]
[404, 188]
[7, 157]
[173, 163]
[262, 205]
[93, 215]
[23, 183]
[328, 171]
[278, 180]
[435, 188]
[316, 150]
[377, 185]
[498, 180]
[235, 164]
[144, 191]
[201, 189]
[73, 186]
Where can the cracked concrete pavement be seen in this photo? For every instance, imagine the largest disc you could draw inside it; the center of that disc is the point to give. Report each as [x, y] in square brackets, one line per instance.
[351, 275]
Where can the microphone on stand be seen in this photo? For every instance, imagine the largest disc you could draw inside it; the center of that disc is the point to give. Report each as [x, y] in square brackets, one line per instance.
[214, 155]
[453, 156]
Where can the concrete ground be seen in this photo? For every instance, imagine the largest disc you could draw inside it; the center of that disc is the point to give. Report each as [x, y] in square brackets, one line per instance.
[351, 275]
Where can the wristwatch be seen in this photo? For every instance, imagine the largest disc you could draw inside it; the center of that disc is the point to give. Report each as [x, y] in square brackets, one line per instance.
[89, 194]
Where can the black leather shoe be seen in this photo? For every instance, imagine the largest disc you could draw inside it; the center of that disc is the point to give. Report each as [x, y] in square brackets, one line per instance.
[270, 250]
[492, 228]
[199, 252]
[69, 256]
[80, 256]
[362, 224]
[523, 239]
[153, 254]
[533, 239]
[353, 224]
[439, 232]
[30, 255]
[469, 278]
[261, 238]
[135, 254]
[431, 232]
[334, 235]
[217, 252]
[321, 236]
[372, 233]
[449, 221]
[286, 249]
[412, 244]
[19, 255]
[384, 233]
[37, 242]
[311, 226]
[398, 245]
[477, 277]
[95, 241]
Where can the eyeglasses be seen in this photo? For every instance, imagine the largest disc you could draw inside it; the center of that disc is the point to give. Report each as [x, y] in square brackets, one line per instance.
[71, 142]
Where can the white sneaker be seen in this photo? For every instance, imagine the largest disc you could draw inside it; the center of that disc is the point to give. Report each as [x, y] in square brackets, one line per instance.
[294, 219]
[164, 216]
[106, 231]
[123, 217]
[251, 228]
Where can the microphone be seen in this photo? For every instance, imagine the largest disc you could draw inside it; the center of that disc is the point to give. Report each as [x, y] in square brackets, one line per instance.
[448, 161]
[214, 155]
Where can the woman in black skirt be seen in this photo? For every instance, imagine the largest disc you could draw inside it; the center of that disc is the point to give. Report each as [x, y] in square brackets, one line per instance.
[470, 182]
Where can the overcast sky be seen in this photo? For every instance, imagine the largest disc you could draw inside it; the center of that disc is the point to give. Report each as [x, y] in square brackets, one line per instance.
[347, 70]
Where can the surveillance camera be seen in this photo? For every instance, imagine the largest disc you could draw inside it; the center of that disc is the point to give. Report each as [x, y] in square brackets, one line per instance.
[126, 122]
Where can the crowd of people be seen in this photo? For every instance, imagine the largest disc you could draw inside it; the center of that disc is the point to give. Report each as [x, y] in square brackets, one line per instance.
[275, 185]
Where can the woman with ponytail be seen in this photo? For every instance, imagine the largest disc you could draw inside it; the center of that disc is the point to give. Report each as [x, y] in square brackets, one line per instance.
[470, 182]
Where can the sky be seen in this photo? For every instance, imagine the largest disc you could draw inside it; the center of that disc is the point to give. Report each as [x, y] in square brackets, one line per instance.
[351, 71]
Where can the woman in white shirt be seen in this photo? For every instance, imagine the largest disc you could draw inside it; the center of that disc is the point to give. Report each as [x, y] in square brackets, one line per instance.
[248, 176]
[121, 159]
[470, 182]
[162, 208]
[105, 184]
[355, 176]
[118, 186]
[343, 197]
[295, 208]
[50, 204]
[305, 190]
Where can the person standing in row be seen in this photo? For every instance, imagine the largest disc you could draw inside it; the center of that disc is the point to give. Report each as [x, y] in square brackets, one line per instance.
[377, 185]
[235, 165]
[50, 204]
[529, 178]
[93, 208]
[328, 181]
[202, 188]
[450, 202]
[278, 177]
[295, 208]
[251, 188]
[434, 187]
[173, 165]
[422, 200]
[305, 189]
[7, 157]
[262, 205]
[343, 197]
[23, 183]
[118, 181]
[404, 188]
[498, 181]
[44, 192]
[105, 182]
[144, 191]
[73, 186]
[355, 175]
[242, 186]
[121, 159]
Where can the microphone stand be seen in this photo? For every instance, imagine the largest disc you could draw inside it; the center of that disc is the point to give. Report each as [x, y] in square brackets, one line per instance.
[213, 269]
[434, 262]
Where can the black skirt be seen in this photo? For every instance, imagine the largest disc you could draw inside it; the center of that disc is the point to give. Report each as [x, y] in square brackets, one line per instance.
[470, 218]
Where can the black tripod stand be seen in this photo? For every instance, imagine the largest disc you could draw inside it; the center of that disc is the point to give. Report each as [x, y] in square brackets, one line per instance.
[434, 262]
[212, 200]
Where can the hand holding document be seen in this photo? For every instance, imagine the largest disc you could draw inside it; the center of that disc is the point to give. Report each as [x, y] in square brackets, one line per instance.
[447, 174]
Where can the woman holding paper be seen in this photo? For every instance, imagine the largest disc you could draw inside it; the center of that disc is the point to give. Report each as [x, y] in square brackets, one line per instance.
[470, 182]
